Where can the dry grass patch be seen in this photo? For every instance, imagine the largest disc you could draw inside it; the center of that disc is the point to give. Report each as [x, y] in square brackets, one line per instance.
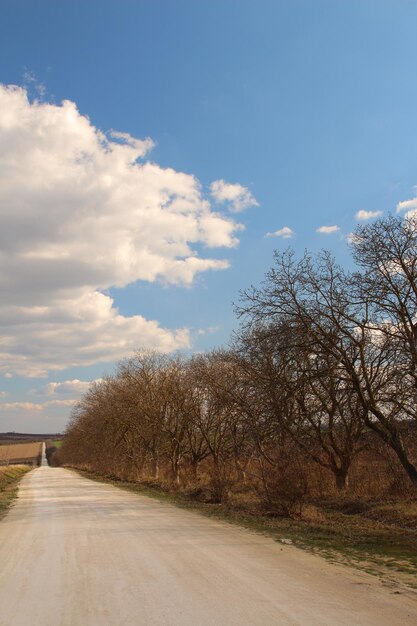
[9, 479]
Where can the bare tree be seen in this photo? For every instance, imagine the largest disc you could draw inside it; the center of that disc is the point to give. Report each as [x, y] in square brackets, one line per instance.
[316, 299]
[386, 287]
[305, 394]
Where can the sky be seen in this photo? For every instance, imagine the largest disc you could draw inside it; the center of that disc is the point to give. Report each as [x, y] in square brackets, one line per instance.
[154, 153]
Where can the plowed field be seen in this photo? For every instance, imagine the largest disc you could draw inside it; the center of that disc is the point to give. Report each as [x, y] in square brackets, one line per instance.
[17, 453]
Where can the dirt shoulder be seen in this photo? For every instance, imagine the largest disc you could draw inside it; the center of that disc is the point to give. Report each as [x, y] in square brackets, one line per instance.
[379, 538]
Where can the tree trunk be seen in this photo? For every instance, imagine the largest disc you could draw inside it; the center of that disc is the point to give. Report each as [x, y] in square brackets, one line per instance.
[155, 467]
[194, 470]
[408, 466]
[176, 471]
[341, 479]
[392, 437]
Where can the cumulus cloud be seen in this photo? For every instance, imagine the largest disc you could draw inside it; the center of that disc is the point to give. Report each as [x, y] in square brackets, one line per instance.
[3, 394]
[143, 146]
[363, 215]
[68, 387]
[286, 233]
[52, 396]
[409, 207]
[237, 197]
[21, 406]
[327, 230]
[81, 212]
[66, 403]
[29, 416]
[35, 406]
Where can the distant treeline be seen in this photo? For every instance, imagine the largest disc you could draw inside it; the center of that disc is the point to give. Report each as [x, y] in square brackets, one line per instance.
[316, 393]
[13, 436]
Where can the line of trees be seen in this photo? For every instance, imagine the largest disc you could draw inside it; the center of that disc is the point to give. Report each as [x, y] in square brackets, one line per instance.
[321, 372]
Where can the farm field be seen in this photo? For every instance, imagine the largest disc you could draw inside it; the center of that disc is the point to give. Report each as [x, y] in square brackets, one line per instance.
[20, 453]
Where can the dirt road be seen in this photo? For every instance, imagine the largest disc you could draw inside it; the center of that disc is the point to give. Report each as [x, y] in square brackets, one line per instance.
[78, 553]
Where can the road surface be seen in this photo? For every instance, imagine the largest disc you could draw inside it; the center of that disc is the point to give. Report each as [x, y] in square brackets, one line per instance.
[74, 552]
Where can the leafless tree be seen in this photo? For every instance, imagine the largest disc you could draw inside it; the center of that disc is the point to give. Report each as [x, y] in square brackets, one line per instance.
[316, 299]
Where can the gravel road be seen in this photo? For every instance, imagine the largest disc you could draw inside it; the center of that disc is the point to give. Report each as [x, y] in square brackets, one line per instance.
[79, 553]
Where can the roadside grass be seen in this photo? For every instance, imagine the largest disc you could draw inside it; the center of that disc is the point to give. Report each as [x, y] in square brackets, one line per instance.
[9, 480]
[381, 540]
[51, 448]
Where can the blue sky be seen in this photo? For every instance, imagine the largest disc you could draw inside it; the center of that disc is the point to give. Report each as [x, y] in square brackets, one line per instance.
[309, 106]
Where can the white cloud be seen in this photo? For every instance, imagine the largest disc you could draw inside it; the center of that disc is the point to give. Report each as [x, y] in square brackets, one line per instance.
[407, 205]
[67, 402]
[236, 196]
[351, 238]
[21, 406]
[31, 82]
[363, 215]
[328, 230]
[80, 213]
[143, 146]
[77, 387]
[286, 233]
[35, 406]
[211, 330]
[3, 394]
[47, 416]
[84, 330]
